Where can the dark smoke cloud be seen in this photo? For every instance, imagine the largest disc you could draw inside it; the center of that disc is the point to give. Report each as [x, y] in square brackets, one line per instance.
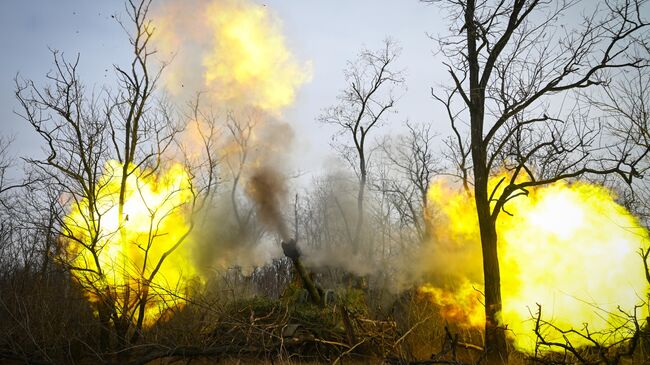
[266, 187]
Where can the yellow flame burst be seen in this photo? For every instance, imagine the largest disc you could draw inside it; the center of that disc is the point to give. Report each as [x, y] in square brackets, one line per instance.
[117, 261]
[568, 247]
[462, 305]
[244, 59]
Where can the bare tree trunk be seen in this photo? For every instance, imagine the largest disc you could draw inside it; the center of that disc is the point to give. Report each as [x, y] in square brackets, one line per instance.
[363, 107]
[495, 337]
[142, 302]
[360, 198]
[495, 340]
[104, 327]
[490, 60]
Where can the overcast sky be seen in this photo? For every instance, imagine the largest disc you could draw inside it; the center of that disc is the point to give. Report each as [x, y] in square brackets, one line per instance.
[326, 33]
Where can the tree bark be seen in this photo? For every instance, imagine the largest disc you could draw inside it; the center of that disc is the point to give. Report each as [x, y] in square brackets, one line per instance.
[104, 327]
[495, 339]
[360, 199]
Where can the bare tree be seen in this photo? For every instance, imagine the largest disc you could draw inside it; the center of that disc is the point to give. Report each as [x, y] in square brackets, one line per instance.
[625, 105]
[5, 165]
[76, 142]
[241, 127]
[202, 158]
[94, 140]
[514, 65]
[416, 163]
[363, 106]
[458, 145]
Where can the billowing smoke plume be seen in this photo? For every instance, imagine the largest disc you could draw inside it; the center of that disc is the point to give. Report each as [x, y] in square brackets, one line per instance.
[232, 50]
[234, 55]
[327, 238]
[266, 187]
[570, 248]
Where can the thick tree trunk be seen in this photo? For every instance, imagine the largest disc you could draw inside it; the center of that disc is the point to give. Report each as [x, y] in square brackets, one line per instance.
[104, 327]
[121, 325]
[495, 338]
[142, 306]
[356, 241]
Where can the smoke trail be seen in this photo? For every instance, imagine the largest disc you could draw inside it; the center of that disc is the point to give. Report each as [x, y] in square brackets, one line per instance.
[234, 53]
[267, 188]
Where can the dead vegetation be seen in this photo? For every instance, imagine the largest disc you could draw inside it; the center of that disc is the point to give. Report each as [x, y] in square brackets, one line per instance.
[337, 308]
